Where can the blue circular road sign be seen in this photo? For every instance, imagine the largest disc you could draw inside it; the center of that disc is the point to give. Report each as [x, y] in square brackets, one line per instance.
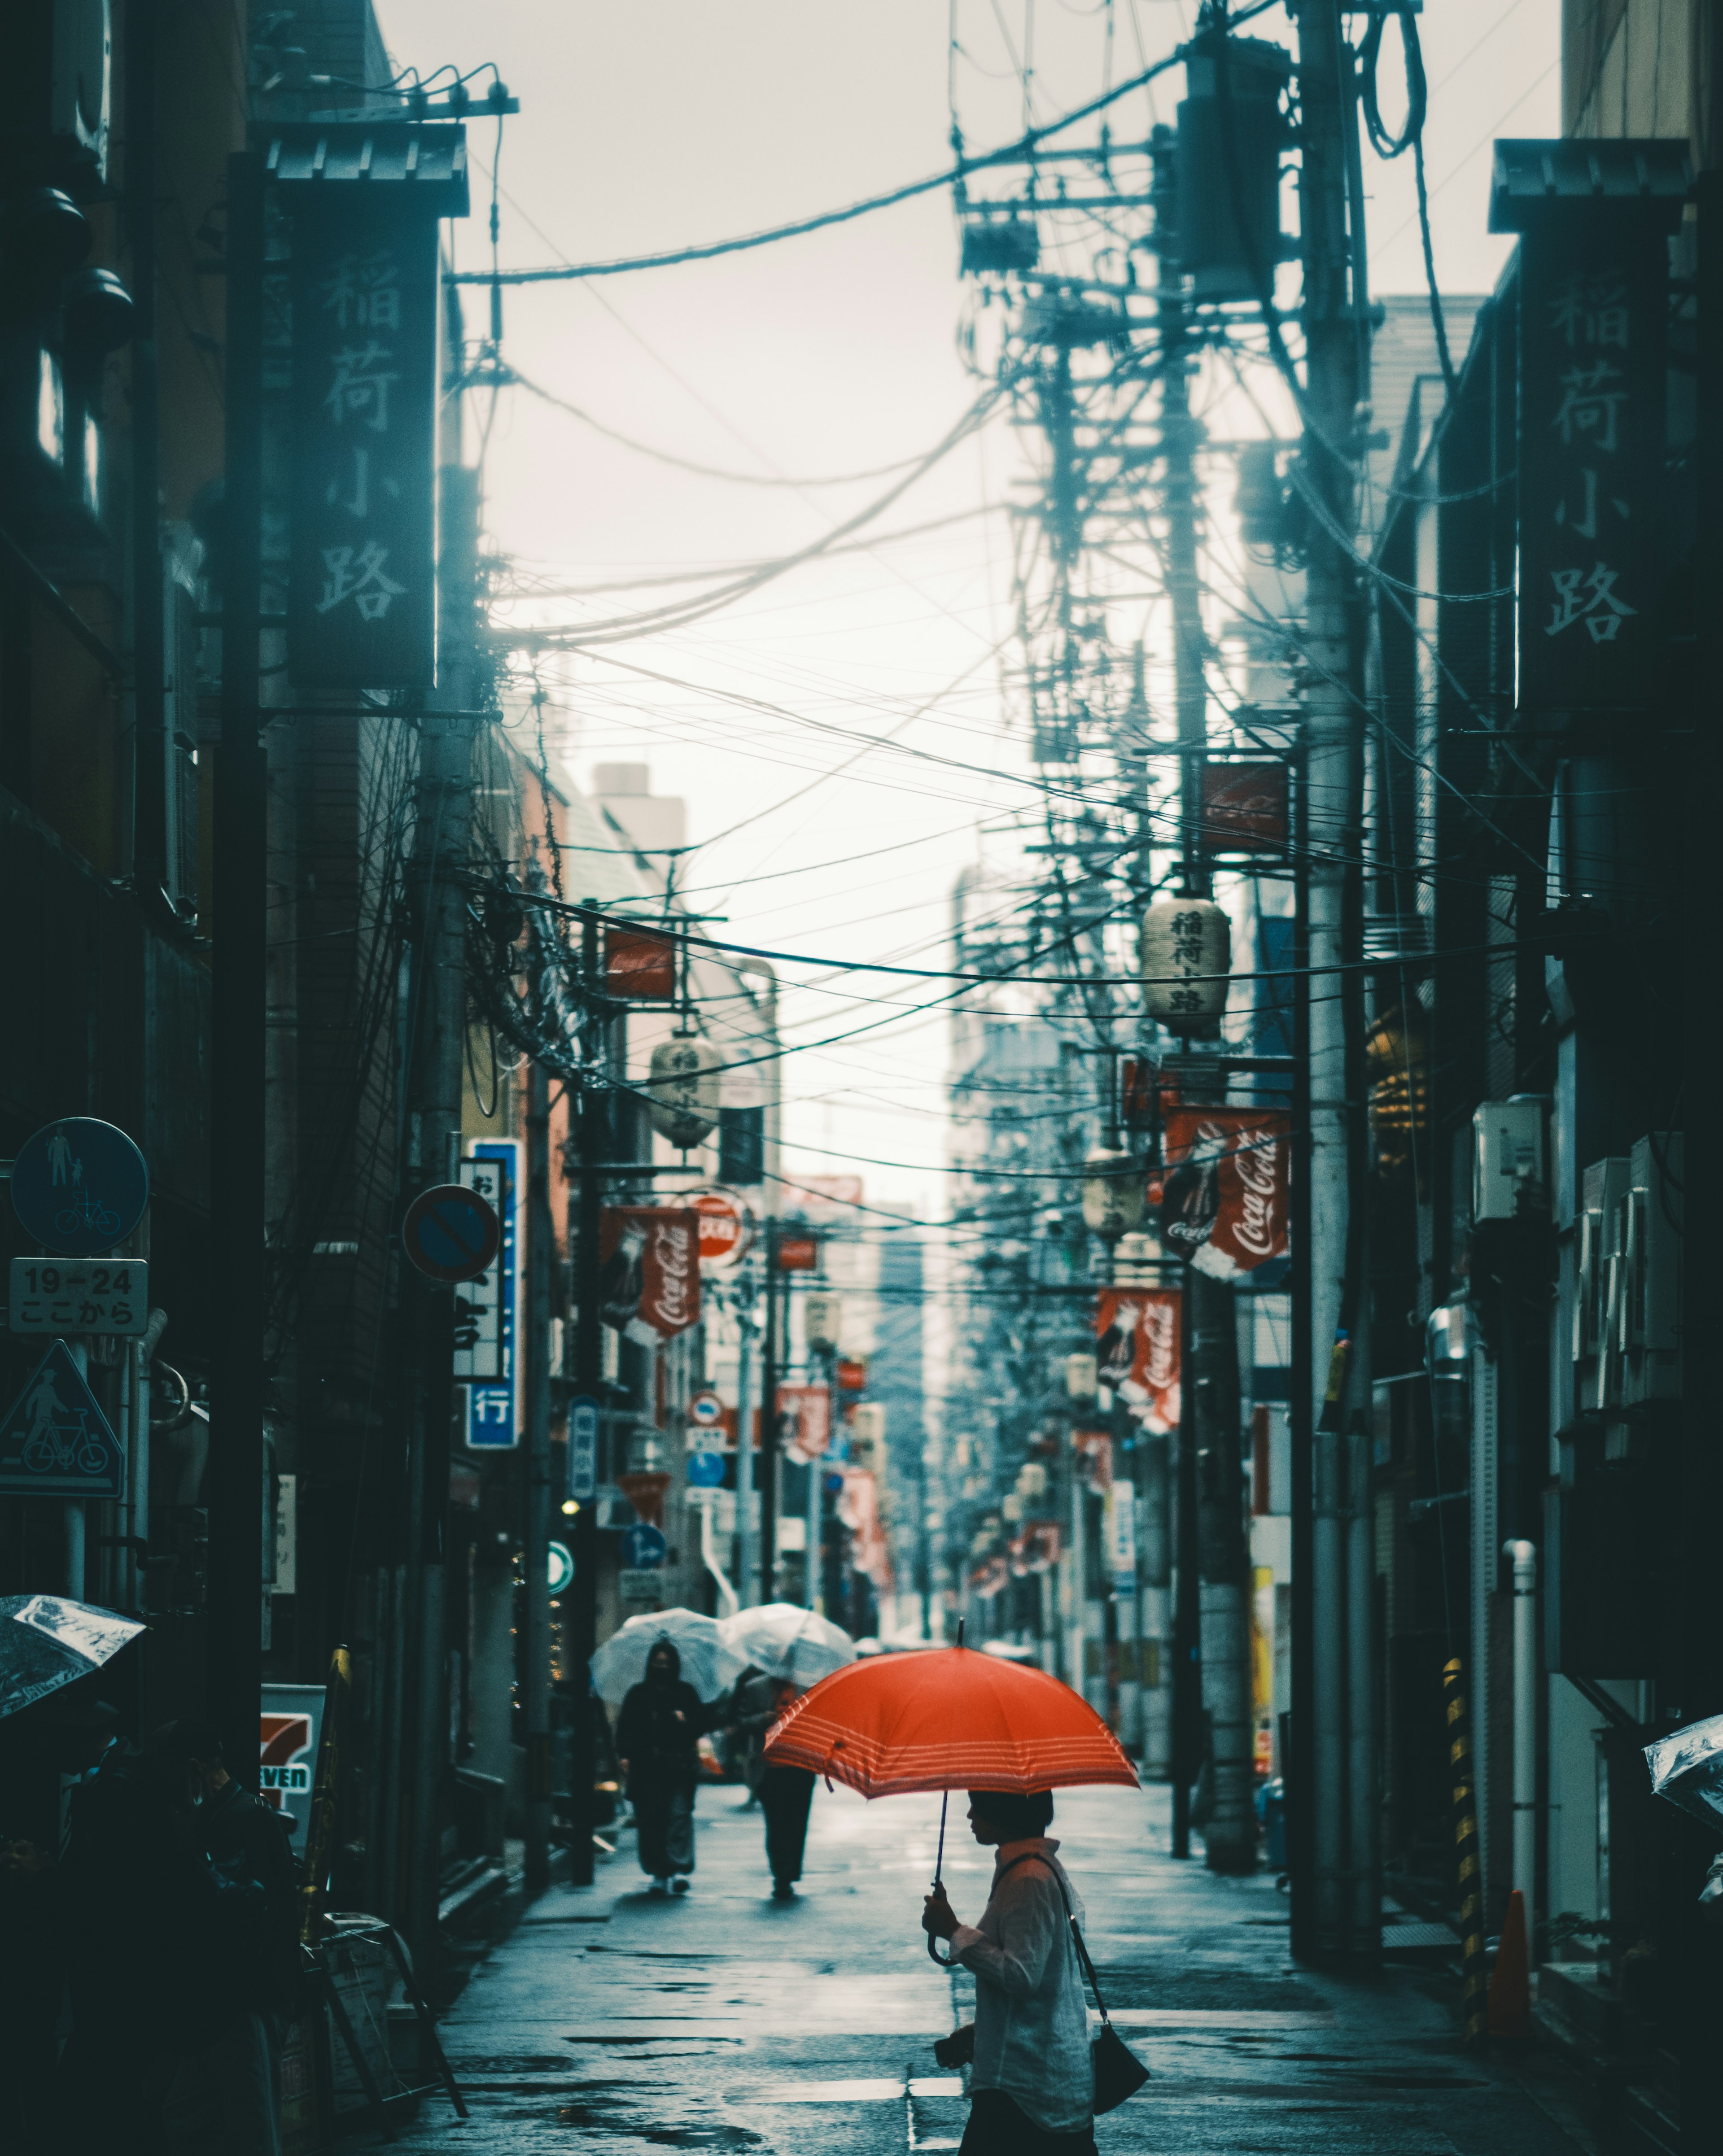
[644, 1548]
[451, 1233]
[80, 1186]
[705, 1470]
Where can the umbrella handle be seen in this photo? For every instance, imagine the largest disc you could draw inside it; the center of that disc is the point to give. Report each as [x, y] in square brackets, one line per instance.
[934, 1954]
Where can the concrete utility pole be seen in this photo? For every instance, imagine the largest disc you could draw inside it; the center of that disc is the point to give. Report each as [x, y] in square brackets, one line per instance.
[589, 1109]
[238, 1299]
[1339, 1733]
[535, 1540]
[742, 1304]
[769, 1425]
[1212, 1541]
[433, 1077]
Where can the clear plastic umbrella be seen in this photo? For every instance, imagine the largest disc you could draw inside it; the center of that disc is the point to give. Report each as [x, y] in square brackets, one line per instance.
[709, 1662]
[46, 1642]
[786, 1641]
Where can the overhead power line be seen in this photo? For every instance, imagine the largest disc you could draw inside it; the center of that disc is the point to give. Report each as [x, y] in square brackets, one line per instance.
[1013, 153]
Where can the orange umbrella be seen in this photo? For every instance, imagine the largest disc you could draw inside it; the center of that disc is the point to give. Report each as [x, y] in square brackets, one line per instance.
[947, 1718]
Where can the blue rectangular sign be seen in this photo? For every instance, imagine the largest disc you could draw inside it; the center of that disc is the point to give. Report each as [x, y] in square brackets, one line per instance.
[493, 1407]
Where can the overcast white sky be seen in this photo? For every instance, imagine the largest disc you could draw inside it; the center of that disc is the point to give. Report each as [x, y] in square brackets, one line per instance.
[656, 124]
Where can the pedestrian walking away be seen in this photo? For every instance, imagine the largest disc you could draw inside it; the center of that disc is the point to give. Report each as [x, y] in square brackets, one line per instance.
[1032, 2083]
[786, 1793]
[224, 2098]
[657, 1744]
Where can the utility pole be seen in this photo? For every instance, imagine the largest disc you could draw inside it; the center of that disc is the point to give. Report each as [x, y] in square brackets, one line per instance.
[1336, 333]
[744, 1306]
[239, 1292]
[535, 1540]
[433, 1077]
[591, 1136]
[769, 1425]
[1212, 1544]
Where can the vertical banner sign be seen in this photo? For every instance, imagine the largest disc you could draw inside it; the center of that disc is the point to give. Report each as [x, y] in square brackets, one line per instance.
[649, 1276]
[805, 1421]
[1593, 309]
[478, 1303]
[1225, 1195]
[1137, 1352]
[362, 587]
[489, 1367]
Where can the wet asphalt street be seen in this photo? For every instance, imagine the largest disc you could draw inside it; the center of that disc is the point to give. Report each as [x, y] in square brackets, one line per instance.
[725, 2021]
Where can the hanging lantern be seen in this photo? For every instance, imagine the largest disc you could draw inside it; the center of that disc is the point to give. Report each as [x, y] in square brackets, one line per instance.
[682, 1091]
[1113, 1191]
[1187, 954]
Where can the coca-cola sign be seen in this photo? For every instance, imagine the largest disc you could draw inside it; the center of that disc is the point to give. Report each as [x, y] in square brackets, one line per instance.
[1225, 1194]
[649, 1276]
[1137, 1351]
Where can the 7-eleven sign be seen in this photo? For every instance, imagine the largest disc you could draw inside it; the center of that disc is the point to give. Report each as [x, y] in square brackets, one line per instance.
[287, 1731]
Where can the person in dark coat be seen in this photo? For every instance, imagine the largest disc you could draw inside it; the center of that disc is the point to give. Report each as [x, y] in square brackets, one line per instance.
[224, 2098]
[658, 1748]
[785, 1793]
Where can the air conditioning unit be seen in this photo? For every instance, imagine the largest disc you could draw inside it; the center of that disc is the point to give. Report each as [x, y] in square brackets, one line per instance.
[1508, 1174]
[1602, 1186]
[1650, 1316]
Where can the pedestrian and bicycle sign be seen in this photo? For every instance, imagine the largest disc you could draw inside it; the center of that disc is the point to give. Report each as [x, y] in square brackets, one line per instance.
[705, 1470]
[55, 1441]
[80, 1186]
[57, 1295]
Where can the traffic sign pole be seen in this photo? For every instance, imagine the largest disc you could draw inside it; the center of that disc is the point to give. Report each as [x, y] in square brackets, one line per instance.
[587, 1109]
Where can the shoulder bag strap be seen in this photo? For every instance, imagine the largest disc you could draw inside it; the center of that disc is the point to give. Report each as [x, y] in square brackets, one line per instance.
[1034, 1856]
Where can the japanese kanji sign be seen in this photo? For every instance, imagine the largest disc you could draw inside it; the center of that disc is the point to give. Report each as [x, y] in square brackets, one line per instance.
[1591, 450]
[361, 591]
[486, 1326]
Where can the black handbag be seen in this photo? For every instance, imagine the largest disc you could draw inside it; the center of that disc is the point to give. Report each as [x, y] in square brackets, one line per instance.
[1118, 2072]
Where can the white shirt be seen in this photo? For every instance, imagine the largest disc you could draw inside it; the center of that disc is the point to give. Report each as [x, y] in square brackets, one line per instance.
[1031, 2021]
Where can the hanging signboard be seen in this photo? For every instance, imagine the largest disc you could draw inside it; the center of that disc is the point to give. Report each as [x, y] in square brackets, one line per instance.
[1245, 808]
[486, 1310]
[1225, 1193]
[362, 579]
[649, 1278]
[798, 1253]
[726, 1227]
[1137, 1351]
[1593, 332]
[640, 966]
[804, 1420]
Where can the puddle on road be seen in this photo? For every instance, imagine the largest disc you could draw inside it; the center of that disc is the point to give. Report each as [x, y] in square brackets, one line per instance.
[874, 2089]
[603, 2113]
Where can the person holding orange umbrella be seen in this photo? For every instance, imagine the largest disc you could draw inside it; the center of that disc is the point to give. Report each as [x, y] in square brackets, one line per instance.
[1032, 2082]
[950, 1718]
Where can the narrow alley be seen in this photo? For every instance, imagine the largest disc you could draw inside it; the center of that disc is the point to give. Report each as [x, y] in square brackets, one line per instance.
[727, 2020]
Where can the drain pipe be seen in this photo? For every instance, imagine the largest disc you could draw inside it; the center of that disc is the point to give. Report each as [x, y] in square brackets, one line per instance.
[1525, 1676]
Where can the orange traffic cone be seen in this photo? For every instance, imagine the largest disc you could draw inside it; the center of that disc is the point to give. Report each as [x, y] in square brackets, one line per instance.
[1511, 1983]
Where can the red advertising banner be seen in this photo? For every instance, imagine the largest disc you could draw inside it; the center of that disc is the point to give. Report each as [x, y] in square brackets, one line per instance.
[1137, 1351]
[649, 1277]
[1094, 1457]
[640, 966]
[798, 1253]
[805, 1421]
[858, 1510]
[1224, 1201]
